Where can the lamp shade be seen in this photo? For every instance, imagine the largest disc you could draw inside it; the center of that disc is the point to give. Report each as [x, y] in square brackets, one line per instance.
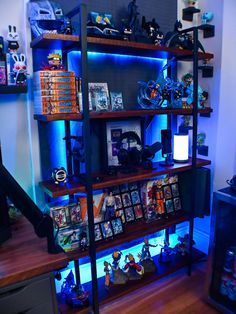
[180, 147]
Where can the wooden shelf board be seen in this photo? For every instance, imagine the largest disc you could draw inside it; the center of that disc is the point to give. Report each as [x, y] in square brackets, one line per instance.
[74, 185]
[116, 291]
[106, 45]
[117, 114]
[5, 89]
[134, 231]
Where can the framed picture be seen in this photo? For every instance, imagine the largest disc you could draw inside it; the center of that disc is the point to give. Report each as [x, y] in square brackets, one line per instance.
[118, 201]
[175, 189]
[135, 197]
[114, 129]
[177, 203]
[129, 214]
[169, 206]
[116, 101]
[126, 199]
[106, 229]
[97, 232]
[167, 191]
[138, 212]
[120, 213]
[117, 226]
[98, 96]
[75, 213]
[59, 217]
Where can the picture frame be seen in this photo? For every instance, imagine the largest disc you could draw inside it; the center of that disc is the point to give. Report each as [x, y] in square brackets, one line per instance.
[97, 232]
[167, 192]
[169, 206]
[135, 197]
[126, 199]
[177, 203]
[106, 228]
[114, 129]
[99, 99]
[129, 214]
[138, 212]
[118, 201]
[121, 213]
[117, 226]
[175, 189]
[116, 101]
[75, 213]
[59, 217]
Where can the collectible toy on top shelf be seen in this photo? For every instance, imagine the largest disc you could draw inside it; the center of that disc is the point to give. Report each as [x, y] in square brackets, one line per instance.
[118, 277]
[145, 257]
[177, 39]
[55, 62]
[133, 270]
[190, 10]
[166, 252]
[45, 17]
[75, 295]
[12, 38]
[153, 31]
[207, 17]
[101, 25]
[183, 245]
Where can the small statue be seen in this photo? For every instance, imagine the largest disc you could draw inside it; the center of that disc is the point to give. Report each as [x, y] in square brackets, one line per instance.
[206, 17]
[118, 276]
[12, 38]
[109, 207]
[107, 268]
[166, 251]
[145, 257]
[133, 270]
[188, 92]
[55, 62]
[182, 246]
[153, 31]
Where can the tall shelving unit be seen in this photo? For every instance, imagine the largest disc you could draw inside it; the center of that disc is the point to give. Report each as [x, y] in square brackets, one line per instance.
[83, 43]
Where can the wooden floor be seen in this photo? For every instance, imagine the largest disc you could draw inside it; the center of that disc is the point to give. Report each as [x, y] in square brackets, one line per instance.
[177, 293]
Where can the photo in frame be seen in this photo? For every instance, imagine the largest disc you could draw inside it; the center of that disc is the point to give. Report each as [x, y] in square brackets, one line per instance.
[116, 101]
[117, 226]
[138, 212]
[97, 232]
[129, 214]
[98, 96]
[106, 228]
[175, 189]
[177, 203]
[121, 214]
[114, 130]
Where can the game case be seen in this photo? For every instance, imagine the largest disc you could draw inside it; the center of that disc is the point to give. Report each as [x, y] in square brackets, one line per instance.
[98, 92]
[116, 101]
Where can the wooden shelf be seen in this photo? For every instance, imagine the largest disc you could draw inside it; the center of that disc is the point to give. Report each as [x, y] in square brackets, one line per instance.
[5, 89]
[134, 231]
[74, 185]
[104, 45]
[118, 114]
[117, 291]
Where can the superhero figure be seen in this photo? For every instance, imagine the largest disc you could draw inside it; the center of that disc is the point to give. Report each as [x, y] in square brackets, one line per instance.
[145, 250]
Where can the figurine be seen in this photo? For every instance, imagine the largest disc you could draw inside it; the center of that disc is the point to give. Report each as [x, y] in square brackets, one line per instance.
[182, 246]
[188, 91]
[153, 32]
[109, 207]
[133, 13]
[19, 69]
[118, 276]
[206, 17]
[133, 270]
[166, 251]
[67, 284]
[55, 62]
[145, 257]
[159, 197]
[67, 28]
[107, 268]
[59, 175]
[12, 38]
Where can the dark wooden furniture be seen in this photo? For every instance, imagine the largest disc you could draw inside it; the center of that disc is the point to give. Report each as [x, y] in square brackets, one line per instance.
[26, 272]
[221, 274]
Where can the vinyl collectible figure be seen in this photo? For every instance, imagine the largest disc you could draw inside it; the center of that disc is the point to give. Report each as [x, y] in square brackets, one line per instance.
[107, 268]
[12, 38]
[19, 69]
[133, 270]
[118, 277]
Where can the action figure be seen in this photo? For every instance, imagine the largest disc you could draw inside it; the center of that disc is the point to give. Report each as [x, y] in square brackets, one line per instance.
[107, 268]
[145, 257]
[159, 198]
[118, 276]
[166, 251]
[153, 32]
[55, 62]
[182, 246]
[109, 207]
[133, 270]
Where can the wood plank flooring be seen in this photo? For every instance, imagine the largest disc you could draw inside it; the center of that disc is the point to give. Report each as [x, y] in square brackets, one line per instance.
[174, 294]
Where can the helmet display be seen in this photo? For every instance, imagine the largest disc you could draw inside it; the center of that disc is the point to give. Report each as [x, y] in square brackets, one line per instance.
[45, 17]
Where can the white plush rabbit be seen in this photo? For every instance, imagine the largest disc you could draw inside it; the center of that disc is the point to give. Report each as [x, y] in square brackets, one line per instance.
[19, 68]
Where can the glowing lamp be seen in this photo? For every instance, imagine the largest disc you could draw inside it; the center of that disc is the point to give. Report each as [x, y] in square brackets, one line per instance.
[180, 147]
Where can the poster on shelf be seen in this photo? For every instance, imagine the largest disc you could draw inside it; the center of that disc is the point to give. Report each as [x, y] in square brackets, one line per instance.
[114, 129]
